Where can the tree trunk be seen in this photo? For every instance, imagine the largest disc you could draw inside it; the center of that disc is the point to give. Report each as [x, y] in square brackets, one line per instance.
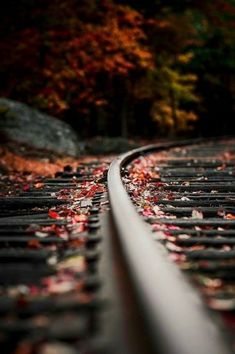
[173, 113]
[124, 109]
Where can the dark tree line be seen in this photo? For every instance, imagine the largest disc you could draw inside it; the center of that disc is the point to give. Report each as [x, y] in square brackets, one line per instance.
[123, 67]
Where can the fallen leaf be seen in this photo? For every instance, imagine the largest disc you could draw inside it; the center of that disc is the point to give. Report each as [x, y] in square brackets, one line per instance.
[53, 214]
[229, 216]
[80, 218]
[41, 234]
[34, 244]
[26, 187]
[197, 214]
[86, 203]
[39, 185]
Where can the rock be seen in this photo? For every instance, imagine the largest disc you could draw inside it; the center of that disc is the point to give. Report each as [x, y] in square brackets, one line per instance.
[22, 124]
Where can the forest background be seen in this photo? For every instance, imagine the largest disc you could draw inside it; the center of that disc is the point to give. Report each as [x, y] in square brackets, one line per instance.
[123, 68]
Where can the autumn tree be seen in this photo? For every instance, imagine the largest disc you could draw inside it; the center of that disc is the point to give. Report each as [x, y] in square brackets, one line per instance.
[109, 67]
[193, 44]
[209, 27]
[69, 60]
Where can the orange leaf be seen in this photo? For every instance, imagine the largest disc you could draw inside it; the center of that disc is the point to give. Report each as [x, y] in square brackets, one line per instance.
[80, 218]
[230, 216]
[39, 185]
[33, 244]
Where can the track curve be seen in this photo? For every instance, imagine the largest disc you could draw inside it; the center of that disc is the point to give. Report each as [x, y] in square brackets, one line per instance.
[174, 313]
[82, 273]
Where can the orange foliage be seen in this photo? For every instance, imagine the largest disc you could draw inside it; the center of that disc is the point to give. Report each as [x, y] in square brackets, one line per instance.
[13, 162]
[58, 65]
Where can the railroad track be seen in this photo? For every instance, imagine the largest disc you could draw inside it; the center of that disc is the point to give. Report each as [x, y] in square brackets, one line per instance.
[82, 272]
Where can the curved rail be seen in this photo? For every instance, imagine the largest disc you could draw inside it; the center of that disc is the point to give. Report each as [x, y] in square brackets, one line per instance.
[174, 315]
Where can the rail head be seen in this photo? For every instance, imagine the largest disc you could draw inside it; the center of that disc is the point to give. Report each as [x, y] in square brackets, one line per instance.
[176, 318]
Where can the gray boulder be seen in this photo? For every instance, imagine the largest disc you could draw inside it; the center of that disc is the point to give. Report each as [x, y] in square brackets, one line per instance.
[22, 124]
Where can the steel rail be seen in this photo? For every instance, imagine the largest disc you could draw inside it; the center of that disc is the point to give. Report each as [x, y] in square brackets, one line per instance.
[175, 317]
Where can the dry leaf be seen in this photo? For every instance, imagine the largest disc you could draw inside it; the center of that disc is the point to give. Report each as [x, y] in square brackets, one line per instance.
[197, 214]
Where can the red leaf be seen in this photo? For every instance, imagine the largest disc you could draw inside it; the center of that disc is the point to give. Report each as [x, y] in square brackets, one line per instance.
[53, 214]
[26, 187]
[92, 191]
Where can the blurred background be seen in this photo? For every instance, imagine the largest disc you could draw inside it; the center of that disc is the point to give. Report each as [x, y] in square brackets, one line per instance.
[122, 68]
